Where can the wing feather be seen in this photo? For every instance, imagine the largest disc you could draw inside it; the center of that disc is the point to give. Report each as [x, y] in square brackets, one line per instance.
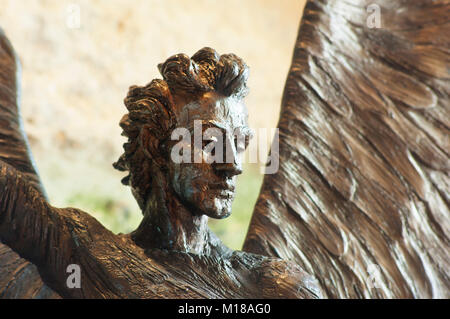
[18, 277]
[361, 199]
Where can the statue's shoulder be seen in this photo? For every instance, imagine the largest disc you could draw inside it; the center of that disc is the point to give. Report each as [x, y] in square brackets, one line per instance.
[84, 224]
[266, 277]
[277, 278]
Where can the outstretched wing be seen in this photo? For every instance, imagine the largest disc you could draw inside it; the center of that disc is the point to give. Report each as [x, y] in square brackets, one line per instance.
[14, 148]
[18, 277]
[361, 198]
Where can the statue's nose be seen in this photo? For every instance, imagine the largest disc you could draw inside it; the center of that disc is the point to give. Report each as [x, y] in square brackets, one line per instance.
[232, 164]
[229, 169]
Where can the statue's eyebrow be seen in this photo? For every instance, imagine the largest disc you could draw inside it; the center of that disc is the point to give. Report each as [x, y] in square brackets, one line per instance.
[245, 130]
[216, 125]
[209, 124]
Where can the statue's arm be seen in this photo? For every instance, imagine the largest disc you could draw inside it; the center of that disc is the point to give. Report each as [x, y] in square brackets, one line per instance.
[18, 277]
[34, 229]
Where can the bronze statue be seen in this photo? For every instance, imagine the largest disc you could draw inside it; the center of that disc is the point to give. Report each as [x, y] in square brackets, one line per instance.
[176, 200]
[360, 201]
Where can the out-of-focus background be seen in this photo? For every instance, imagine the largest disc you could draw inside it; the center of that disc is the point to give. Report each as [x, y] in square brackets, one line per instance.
[79, 58]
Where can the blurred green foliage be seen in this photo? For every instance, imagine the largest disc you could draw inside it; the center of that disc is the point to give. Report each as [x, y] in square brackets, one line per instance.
[114, 215]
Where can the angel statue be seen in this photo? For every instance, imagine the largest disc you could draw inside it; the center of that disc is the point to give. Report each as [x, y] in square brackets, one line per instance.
[359, 207]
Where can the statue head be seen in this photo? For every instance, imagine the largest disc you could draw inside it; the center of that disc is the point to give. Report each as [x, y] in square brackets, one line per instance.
[200, 99]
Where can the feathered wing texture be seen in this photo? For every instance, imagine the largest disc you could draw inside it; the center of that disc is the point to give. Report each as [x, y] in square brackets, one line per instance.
[361, 198]
[13, 142]
[111, 266]
[18, 277]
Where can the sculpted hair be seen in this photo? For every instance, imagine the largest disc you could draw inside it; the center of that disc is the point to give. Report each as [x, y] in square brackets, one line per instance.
[151, 110]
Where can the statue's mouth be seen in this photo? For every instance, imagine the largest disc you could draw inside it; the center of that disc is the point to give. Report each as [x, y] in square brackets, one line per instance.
[226, 194]
[225, 186]
[224, 189]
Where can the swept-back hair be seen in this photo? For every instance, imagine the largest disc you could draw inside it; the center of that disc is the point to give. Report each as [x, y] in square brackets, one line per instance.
[151, 107]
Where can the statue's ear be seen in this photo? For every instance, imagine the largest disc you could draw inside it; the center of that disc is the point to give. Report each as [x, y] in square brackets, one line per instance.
[150, 145]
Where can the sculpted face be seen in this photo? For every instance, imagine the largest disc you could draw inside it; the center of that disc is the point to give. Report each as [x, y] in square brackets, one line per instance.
[219, 125]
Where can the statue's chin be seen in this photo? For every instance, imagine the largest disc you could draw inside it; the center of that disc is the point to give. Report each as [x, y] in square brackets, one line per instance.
[220, 215]
[216, 205]
[217, 208]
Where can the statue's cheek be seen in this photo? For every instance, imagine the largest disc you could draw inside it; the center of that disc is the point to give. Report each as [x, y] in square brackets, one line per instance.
[182, 181]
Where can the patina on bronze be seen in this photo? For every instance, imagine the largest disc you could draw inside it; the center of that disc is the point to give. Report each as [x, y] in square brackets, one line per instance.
[177, 198]
[173, 253]
[360, 200]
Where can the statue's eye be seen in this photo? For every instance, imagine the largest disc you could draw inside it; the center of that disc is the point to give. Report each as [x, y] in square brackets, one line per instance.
[207, 141]
[241, 143]
[209, 145]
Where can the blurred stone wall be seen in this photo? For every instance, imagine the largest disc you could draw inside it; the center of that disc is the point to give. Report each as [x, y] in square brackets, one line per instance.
[76, 73]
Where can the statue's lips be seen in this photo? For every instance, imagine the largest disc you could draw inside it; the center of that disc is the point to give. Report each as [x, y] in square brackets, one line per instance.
[224, 189]
[227, 194]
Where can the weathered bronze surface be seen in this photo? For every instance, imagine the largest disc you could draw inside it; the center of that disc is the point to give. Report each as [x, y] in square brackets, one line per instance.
[172, 254]
[360, 201]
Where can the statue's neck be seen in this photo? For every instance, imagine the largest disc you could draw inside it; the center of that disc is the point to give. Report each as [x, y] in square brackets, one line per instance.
[168, 224]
